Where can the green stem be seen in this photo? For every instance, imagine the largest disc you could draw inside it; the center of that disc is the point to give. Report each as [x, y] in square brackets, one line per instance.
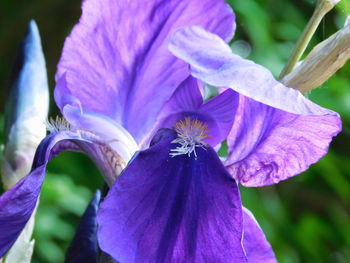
[322, 8]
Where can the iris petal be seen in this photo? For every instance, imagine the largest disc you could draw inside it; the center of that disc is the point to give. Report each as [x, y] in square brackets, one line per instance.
[106, 129]
[172, 209]
[116, 59]
[277, 132]
[18, 203]
[256, 246]
[267, 145]
[187, 101]
[213, 62]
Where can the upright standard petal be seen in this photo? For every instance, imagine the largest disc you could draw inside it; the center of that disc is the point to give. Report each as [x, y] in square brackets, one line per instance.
[116, 59]
[18, 203]
[187, 101]
[172, 209]
[256, 247]
[213, 62]
[277, 132]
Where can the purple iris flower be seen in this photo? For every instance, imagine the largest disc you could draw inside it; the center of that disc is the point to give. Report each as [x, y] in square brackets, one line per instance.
[124, 74]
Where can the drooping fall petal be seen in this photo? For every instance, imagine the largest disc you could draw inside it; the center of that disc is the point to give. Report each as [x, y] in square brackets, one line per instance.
[172, 209]
[18, 203]
[256, 247]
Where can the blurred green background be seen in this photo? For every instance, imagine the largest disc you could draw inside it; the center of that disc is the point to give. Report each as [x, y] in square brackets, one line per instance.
[306, 218]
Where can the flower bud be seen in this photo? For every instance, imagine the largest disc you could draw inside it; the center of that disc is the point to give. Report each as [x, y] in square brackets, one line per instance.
[26, 109]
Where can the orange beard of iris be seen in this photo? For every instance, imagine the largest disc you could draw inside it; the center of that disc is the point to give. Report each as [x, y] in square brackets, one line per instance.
[191, 135]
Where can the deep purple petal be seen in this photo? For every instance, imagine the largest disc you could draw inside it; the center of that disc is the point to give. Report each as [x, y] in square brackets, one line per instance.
[222, 109]
[267, 145]
[187, 101]
[257, 248]
[172, 209]
[277, 132]
[18, 203]
[116, 59]
[84, 247]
